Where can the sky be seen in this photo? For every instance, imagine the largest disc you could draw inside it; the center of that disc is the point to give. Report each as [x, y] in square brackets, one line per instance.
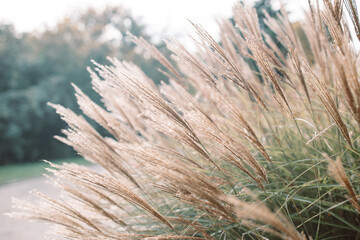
[162, 17]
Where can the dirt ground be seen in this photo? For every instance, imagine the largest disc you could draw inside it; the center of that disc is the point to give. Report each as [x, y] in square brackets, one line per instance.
[18, 229]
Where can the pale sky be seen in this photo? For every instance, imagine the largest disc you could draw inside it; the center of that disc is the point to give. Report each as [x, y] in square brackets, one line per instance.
[162, 17]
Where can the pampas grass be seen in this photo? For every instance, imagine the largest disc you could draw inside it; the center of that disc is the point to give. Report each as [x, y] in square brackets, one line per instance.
[221, 151]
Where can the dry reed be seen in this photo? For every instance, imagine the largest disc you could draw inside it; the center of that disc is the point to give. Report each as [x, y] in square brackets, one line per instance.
[180, 158]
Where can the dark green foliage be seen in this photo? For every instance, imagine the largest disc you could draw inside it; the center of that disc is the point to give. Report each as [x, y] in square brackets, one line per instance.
[262, 6]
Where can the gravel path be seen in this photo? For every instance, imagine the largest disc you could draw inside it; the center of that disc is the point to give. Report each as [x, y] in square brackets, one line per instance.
[18, 229]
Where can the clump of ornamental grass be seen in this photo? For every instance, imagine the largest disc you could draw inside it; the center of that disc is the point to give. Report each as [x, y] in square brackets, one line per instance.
[224, 150]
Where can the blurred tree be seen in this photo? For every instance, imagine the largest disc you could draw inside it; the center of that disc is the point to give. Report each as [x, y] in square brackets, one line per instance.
[38, 68]
[10, 49]
[262, 6]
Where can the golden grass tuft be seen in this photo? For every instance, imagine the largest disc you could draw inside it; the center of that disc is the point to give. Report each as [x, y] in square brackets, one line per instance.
[232, 147]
